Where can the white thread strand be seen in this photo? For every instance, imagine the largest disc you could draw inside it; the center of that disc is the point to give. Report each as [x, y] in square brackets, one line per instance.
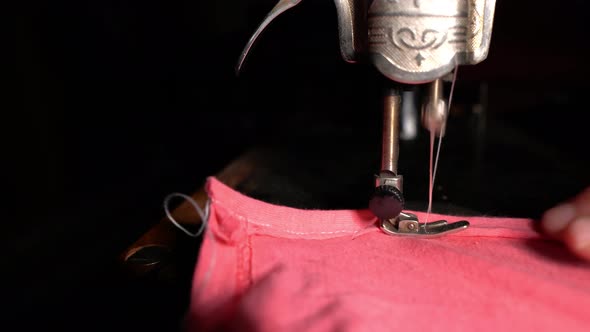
[448, 114]
[204, 214]
[433, 174]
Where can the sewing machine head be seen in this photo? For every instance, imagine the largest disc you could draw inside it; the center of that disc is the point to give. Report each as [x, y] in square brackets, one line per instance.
[409, 42]
[418, 41]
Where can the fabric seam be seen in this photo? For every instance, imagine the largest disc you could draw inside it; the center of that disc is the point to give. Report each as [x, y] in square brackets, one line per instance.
[248, 220]
[259, 223]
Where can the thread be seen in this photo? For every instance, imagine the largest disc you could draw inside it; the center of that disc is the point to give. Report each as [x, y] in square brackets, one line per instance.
[204, 214]
[432, 172]
[430, 177]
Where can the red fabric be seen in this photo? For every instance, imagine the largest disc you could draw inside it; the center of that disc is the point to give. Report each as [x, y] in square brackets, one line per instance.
[283, 269]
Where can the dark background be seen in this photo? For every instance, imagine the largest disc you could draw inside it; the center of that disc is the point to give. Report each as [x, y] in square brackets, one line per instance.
[117, 103]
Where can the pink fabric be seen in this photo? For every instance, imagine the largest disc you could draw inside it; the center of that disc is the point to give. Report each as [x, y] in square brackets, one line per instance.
[283, 269]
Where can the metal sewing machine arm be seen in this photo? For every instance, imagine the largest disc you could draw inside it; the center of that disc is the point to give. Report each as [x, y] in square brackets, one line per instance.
[409, 42]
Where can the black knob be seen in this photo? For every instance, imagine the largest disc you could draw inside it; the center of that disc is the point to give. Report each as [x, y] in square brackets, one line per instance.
[387, 202]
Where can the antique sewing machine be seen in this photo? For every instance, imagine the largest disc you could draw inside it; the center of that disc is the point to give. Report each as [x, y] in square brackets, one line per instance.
[411, 42]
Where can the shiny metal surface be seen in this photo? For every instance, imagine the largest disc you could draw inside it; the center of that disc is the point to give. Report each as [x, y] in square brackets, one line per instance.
[391, 130]
[409, 41]
[418, 41]
[352, 28]
[388, 179]
[407, 224]
[410, 118]
[434, 110]
[281, 7]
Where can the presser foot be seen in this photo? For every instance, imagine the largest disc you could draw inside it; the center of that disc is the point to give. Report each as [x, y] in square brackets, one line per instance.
[407, 224]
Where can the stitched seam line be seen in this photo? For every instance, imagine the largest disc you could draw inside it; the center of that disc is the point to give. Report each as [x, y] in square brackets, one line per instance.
[249, 265]
[260, 223]
[350, 232]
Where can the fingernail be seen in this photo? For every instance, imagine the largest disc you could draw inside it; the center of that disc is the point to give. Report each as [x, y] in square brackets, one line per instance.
[579, 231]
[555, 219]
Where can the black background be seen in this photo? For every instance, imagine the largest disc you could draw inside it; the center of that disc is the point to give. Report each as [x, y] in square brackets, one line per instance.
[117, 103]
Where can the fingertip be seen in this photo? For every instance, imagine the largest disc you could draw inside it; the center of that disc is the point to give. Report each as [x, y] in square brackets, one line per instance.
[577, 237]
[582, 202]
[555, 220]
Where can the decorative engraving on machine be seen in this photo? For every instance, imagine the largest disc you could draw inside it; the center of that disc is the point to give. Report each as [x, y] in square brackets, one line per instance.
[421, 36]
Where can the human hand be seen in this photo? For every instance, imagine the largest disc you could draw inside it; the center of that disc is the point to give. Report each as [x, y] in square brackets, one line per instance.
[570, 222]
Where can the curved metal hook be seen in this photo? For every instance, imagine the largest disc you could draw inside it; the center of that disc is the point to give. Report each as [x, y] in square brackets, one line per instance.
[281, 7]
